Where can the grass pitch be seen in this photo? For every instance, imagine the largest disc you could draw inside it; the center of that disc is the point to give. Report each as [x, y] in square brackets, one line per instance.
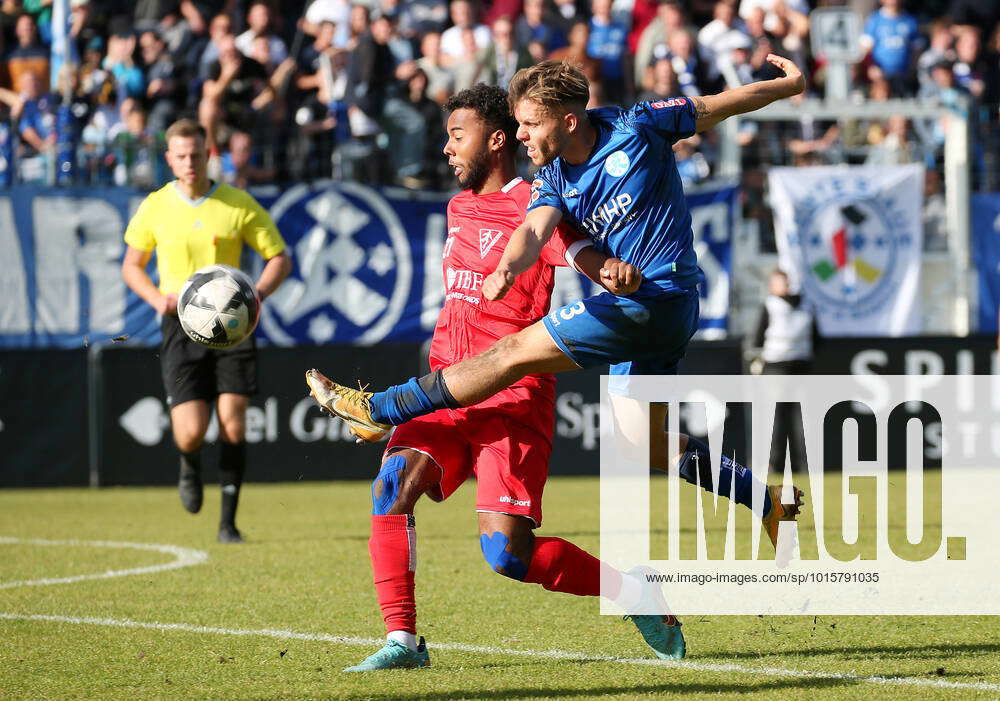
[280, 616]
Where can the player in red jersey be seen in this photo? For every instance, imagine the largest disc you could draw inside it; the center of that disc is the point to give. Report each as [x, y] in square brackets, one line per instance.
[506, 440]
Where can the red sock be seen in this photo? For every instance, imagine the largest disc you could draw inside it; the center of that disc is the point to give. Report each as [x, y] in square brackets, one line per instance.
[558, 565]
[393, 549]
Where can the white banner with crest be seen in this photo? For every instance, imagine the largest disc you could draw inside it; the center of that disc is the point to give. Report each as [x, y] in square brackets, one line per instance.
[850, 239]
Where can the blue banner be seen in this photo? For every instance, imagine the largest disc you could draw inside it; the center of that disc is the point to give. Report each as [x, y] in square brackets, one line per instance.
[61, 284]
[367, 265]
[714, 214]
[986, 256]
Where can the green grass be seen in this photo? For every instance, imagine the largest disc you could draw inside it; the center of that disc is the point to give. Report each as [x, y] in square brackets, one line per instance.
[305, 569]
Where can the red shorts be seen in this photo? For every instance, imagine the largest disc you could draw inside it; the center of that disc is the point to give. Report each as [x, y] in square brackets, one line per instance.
[510, 460]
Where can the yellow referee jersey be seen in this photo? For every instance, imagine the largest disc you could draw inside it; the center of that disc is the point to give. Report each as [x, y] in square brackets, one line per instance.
[190, 234]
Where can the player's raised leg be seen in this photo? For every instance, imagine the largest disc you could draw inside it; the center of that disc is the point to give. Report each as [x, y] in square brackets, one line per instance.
[405, 475]
[189, 422]
[372, 414]
[694, 464]
[511, 549]
[232, 412]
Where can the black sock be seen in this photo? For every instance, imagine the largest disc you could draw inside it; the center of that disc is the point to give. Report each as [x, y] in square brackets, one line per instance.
[437, 391]
[191, 463]
[232, 463]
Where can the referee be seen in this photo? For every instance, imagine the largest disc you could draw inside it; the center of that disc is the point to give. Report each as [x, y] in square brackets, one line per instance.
[190, 223]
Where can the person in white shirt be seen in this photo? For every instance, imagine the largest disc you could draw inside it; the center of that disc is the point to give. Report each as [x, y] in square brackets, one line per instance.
[440, 80]
[336, 11]
[786, 19]
[786, 334]
[453, 45]
[725, 21]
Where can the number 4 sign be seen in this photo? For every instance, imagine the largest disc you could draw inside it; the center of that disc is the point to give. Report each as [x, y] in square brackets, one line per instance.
[836, 34]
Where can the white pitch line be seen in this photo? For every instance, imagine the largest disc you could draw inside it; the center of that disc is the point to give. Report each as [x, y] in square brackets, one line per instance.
[183, 557]
[483, 649]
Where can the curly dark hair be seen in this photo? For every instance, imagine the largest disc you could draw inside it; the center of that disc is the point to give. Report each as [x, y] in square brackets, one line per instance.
[490, 103]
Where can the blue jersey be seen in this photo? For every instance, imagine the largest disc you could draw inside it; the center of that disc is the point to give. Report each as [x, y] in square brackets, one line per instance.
[893, 41]
[627, 197]
[40, 114]
[607, 44]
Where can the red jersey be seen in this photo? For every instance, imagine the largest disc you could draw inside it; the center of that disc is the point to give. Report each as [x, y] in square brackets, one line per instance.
[479, 227]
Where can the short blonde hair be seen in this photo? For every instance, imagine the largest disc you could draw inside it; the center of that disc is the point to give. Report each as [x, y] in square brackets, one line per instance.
[185, 128]
[558, 86]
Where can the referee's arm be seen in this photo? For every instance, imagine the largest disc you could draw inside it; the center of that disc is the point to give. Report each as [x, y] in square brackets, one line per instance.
[274, 273]
[259, 232]
[135, 276]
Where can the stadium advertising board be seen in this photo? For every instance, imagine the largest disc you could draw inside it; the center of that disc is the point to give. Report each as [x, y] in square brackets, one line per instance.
[928, 355]
[367, 266]
[135, 448]
[851, 239]
[290, 439]
[43, 418]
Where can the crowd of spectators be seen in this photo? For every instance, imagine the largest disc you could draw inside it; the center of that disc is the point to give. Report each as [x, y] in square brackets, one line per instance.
[302, 89]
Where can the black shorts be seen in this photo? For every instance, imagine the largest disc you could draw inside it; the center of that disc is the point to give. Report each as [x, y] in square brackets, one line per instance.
[193, 371]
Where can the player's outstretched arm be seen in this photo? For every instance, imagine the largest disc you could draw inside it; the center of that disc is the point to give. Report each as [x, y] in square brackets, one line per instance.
[523, 249]
[712, 109]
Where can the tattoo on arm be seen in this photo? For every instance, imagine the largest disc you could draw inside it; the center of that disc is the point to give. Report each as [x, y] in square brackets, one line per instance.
[700, 108]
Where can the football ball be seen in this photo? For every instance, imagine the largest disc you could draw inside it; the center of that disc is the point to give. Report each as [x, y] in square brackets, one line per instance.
[218, 306]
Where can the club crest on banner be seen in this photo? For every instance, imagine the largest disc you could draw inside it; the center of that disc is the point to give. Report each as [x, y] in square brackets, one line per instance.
[851, 240]
[366, 265]
[353, 267]
[849, 247]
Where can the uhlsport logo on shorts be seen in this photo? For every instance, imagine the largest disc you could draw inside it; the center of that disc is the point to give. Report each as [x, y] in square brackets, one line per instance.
[617, 164]
[850, 237]
[353, 266]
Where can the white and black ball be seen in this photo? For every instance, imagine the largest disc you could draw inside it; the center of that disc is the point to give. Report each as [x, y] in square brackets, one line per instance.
[218, 306]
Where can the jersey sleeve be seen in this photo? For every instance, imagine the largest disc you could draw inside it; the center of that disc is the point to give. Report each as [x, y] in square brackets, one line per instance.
[562, 239]
[139, 234]
[672, 119]
[259, 231]
[544, 194]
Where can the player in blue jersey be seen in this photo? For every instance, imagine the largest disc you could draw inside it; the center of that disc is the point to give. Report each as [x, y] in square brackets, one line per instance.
[609, 172]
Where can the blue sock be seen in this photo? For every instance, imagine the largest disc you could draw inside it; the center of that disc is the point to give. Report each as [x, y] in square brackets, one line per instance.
[696, 463]
[413, 398]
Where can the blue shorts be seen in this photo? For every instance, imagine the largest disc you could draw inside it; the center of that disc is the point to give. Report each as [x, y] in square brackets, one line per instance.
[645, 335]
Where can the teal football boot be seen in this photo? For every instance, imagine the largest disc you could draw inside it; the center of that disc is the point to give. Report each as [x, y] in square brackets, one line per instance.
[660, 629]
[394, 656]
